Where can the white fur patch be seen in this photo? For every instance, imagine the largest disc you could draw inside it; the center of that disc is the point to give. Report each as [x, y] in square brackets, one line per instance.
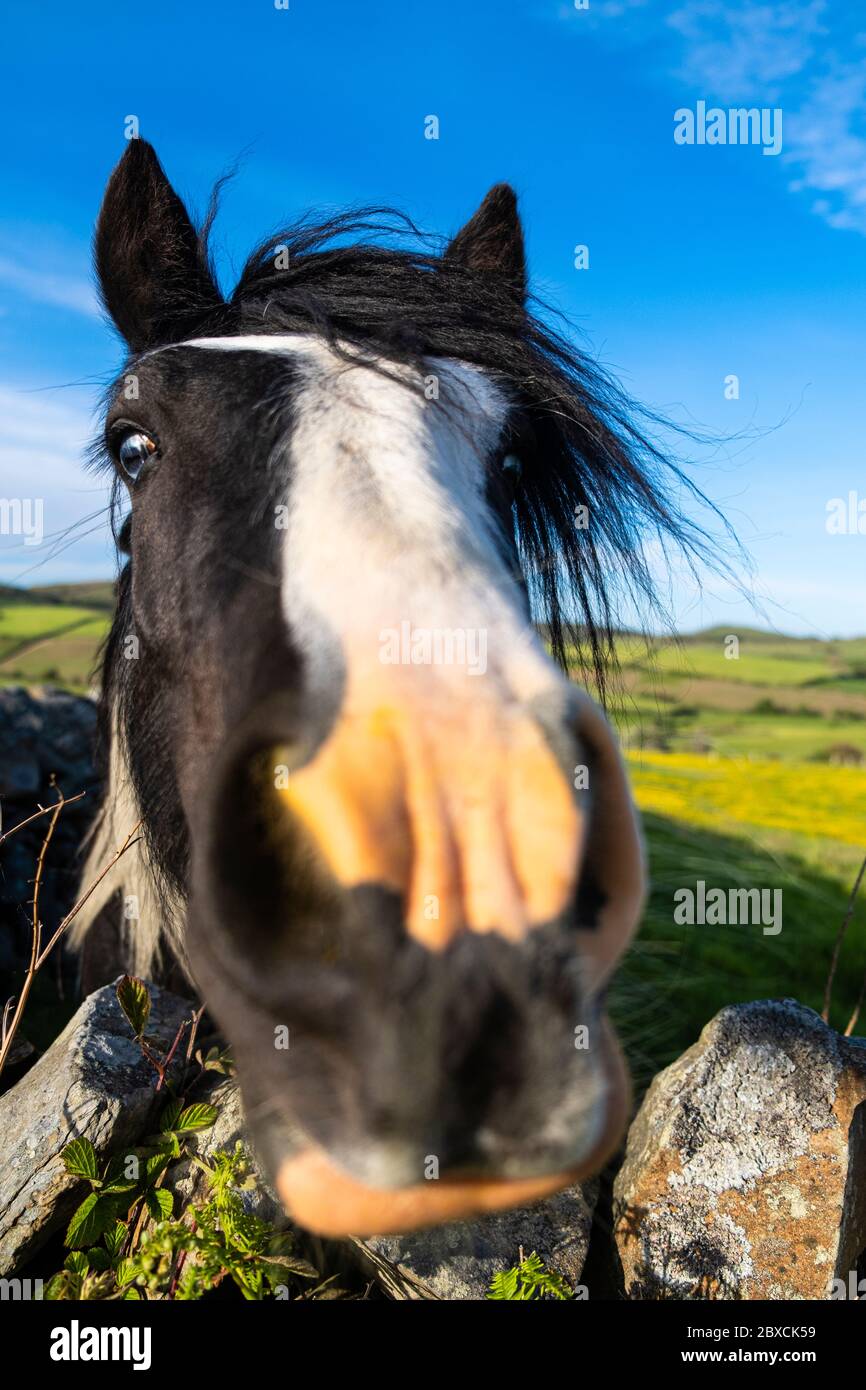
[388, 524]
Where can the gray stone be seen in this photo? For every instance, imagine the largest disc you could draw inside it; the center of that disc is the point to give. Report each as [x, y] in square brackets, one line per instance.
[92, 1083]
[458, 1261]
[20, 775]
[745, 1171]
[44, 734]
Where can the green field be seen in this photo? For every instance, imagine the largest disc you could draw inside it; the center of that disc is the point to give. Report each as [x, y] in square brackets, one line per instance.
[749, 772]
[53, 635]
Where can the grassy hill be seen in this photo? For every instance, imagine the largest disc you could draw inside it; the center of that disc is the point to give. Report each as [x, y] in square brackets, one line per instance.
[750, 772]
[774, 697]
[52, 634]
[97, 593]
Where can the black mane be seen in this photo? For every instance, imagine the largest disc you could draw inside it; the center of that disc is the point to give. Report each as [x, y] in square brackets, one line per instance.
[590, 445]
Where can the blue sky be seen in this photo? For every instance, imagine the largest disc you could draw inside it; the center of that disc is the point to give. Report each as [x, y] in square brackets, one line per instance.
[705, 261]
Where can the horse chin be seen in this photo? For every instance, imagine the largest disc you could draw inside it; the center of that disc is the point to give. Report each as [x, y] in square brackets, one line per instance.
[326, 1200]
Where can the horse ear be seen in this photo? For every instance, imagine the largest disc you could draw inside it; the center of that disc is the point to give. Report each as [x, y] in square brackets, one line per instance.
[153, 273]
[492, 240]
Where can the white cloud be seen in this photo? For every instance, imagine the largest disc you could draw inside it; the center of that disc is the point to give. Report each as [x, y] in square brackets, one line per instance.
[827, 140]
[737, 51]
[806, 56]
[46, 287]
[42, 440]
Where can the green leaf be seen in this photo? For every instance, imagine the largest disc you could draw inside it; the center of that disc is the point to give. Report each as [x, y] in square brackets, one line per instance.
[132, 1293]
[505, 1285]
[529, 1281]
[159, 1203]
[120, 1185]
[117, 1172]
[125, 1272]
[155, 1164]
[77, 1261]
[79, 1158]
[64, 1286]
[114, 1237]
[199, 1116]
[133, 996]
[170, 1115]
[92, 1218]
[216, 1061]
[99, 1258]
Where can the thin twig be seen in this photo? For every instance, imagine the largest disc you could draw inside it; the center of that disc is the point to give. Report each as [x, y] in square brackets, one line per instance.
[7, 1006]
[35, 937]
[825, 1012]
[196, 1020]
[144, 1212]
[38, 953]
[136, 1234]
[36, 921]
[76, 908]
[43, 811]
[181, 1261]
[852, 1022]
[166, 1062]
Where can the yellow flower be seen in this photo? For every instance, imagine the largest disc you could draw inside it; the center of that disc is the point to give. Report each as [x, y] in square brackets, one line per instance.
[813, 799]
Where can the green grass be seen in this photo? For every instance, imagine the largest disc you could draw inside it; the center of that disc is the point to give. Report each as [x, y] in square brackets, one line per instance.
[53, 642]
[27, 622]
[755, 665]
[791, 737]
[784, 705]
[97, 593]
[675, 978]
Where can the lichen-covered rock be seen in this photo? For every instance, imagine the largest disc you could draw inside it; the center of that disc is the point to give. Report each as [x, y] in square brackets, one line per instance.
[94, 1083]
[745, 1172]
[458, 1261]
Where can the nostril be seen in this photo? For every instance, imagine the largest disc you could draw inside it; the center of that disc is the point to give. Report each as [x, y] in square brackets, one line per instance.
[487, 1061]
[590, 900]
[269, 899]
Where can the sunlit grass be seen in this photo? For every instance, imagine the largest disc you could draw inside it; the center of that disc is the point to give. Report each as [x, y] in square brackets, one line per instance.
[675, 978]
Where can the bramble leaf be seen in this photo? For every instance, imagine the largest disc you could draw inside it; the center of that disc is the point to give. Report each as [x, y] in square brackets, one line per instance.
[159, 1203]
[92, 1218]
[133, 996]
[199, 1116]
[79, 1158]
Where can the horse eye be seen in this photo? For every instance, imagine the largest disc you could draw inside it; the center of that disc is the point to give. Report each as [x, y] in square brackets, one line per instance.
[134, 451]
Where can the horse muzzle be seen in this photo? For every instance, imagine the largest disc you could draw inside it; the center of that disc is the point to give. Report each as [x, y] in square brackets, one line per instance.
[406, 930]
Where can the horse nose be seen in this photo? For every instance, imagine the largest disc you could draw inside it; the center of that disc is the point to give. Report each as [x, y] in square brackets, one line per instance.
[425, 909]
[469, 818]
